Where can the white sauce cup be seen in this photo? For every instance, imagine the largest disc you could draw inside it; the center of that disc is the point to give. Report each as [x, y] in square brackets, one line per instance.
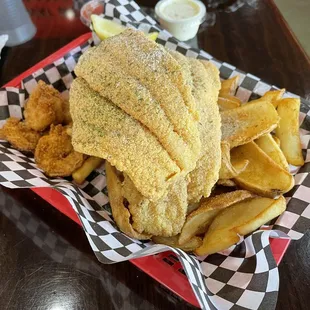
[181, 18]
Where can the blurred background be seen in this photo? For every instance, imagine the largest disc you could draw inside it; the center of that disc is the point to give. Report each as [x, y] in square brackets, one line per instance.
[232, 28]
[59, 18]
[297, 14]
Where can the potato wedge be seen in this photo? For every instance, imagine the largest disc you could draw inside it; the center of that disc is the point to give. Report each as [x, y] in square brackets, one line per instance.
[271, 96]
[120, 212]
[276, 208]
[288, 130]
[69, 131]
[262, 175]
[276, 139]
[248, 122]
[199, 220]
[227, 102]
[191, 207]
[89, 165]
[217, 241]
[272, 149]
[274, 96]
[228, 171]
[240, 219]
[188, 246]
[226, 182]
[240, 166]
[229, 86]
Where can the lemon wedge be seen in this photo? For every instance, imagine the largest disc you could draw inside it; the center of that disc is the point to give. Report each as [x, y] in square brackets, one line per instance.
[152, 36]
[105, 28]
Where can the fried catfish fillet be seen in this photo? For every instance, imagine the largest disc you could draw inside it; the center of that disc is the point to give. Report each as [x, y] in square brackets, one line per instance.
[103, 130]
[183, 62]
[17, 133]
[206, 85]
[118, 203]
[164, 217]
[144, 80]
[44, 107]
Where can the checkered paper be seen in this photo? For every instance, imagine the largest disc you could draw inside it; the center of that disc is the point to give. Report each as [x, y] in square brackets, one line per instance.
[242, 277]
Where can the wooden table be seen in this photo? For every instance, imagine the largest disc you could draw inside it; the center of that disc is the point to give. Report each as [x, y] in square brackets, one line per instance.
[255, 39]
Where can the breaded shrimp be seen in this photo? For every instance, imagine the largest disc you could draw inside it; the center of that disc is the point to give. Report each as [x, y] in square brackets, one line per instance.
[44, 107]
[19, 135]
[55, 155]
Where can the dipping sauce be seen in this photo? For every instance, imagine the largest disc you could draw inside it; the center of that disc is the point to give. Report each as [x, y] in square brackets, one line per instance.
[180, 9]
[181, 18]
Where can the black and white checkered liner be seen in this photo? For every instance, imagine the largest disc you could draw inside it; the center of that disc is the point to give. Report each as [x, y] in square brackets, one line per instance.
[242, 277]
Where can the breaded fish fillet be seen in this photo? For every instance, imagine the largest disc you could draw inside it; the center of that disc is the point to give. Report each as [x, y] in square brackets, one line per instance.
[206, 86]
[144, 57]
[183, 62]
[165, 217]
[139, 76]
[118, 204]
[102, 129]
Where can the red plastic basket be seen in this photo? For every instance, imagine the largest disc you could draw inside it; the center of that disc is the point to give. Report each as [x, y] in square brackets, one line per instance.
[164, 267]
[55, 19]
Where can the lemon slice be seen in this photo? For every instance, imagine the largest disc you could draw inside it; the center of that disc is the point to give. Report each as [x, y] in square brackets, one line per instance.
[152, 36]
[105, 28]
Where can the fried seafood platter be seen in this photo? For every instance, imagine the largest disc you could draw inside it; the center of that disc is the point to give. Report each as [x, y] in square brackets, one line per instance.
[187, 163]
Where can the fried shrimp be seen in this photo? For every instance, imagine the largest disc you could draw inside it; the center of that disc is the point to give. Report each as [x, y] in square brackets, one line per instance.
[44, 107]
[55, 155]
[19, 135]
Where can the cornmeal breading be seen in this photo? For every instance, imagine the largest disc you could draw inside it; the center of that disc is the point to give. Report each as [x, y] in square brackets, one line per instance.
[142, 78]
[184, 63]
[103, 130]
[165, 217]
[206, 85]
[118, 204]
[145, 57]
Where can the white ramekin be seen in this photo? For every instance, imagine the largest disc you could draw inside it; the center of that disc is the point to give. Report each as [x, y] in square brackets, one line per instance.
[183, 29]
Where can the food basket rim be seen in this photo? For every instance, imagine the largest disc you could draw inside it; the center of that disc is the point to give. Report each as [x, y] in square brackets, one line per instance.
[154, 265]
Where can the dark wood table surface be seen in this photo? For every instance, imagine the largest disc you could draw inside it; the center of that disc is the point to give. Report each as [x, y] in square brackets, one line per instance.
[256, 39]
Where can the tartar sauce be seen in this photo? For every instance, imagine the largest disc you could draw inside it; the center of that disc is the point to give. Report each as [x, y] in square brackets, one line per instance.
[181, 17]
[180, 9]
